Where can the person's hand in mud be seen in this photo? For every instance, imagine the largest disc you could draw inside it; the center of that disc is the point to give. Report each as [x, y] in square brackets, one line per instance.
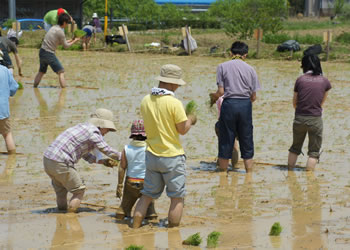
[193, 118]
[119, 191]
[107, 162]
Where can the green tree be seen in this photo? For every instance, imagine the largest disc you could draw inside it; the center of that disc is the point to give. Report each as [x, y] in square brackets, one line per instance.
[240, 18]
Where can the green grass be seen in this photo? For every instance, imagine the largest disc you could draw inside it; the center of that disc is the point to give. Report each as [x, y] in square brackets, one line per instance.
[282, 37]
[276, 229]
[134, 247]
[212, 239]
[343, 38]
[310, 24]
[193, 240]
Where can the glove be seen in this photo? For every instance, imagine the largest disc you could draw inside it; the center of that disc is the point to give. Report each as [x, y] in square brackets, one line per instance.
[193, 118]
[119, 191]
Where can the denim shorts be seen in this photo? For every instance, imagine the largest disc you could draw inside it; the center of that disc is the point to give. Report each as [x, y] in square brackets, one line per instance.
[48, 58]
[165, 171]
[311, 125]
[88, 32]
[236, 121]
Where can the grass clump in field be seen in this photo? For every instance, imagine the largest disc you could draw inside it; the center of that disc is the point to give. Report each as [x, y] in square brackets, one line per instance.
[213, 238]
[193, 240]
[20, 85]
[191, 108]
[79, 33]
[134, 247]
[276, 229]
[343, 38]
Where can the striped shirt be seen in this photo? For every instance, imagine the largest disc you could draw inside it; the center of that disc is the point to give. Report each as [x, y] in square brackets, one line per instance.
[77, 142]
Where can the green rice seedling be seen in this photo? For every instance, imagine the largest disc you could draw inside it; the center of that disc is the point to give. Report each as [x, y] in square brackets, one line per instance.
[79, 33]
[191, 107]
[20, 85]
[213, 238]
[276, 229]
[193, 240]
[134, 247]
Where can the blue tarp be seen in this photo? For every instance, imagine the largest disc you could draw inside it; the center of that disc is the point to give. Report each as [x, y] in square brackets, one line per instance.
[186, 2]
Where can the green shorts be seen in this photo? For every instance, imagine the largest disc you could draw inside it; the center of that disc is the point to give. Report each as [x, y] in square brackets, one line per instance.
[311, 125]
[64, 178]
[165, 171]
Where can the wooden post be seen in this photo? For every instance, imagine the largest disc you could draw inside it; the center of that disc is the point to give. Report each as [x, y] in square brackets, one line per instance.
[327, 48]
[126, 37]
[258, 44]
[188, 41]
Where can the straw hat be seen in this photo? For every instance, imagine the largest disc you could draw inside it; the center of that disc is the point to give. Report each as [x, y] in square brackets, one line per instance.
[171, 73]
[103, 118]
[94, 15]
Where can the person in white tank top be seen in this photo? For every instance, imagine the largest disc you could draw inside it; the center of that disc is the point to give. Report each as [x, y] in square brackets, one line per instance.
[133, 166]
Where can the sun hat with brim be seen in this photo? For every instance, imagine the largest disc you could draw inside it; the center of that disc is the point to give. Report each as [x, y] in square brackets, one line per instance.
[94, 15]
[137, 128]
[103, 118]
[171, 73]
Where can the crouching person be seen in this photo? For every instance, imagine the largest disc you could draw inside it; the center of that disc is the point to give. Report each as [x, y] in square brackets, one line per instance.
[69, 147]
[133, 163]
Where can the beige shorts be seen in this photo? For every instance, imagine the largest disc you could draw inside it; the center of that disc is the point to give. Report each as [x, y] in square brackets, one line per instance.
[5, 126]
[64, 178]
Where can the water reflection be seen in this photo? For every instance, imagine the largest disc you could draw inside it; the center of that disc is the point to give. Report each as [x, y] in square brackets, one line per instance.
[49, 116]
[6, 175]
[234, 205]
[68, 234]
[306, 212]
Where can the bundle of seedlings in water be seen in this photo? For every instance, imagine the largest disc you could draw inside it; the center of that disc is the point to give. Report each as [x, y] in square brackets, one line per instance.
[213, 238]
[20, 85]
[193, 240]
[113, 163]
[134, 247]
[191, 108]
[79, 33]
[276, 229]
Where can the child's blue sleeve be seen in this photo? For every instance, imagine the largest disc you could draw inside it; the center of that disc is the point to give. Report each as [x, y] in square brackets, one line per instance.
[13, 85]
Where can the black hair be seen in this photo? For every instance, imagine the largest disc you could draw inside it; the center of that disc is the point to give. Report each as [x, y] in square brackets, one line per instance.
[14, 39]
[311, 62]
[239, 48]
[63, 18]
[138, 137]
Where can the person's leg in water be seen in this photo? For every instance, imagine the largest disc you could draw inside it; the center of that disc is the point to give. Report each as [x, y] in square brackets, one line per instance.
[38, 78]
[292, 160]
[75, 201]
[175, 211]
[140, 210]
[10, 143]
[61, 79]
[235, 154]
[61, 200]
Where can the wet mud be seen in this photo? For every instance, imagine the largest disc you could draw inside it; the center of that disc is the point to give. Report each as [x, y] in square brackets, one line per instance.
[312, 208]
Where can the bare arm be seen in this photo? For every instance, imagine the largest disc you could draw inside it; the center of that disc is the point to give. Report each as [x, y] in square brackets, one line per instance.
[295, 99]
[324, 98]
[253, 97]
[19, 63]
[122, 168]
[184, 127]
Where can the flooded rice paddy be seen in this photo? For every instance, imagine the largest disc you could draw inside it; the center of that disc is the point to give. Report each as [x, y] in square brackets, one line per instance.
[313, 208]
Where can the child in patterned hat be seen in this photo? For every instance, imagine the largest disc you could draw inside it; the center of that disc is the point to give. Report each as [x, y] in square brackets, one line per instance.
[133, 164]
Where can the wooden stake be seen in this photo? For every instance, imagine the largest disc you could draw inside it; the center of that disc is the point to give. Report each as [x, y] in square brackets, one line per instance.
[126, 37]
[258, 44]
[188, 41]
[327, 48]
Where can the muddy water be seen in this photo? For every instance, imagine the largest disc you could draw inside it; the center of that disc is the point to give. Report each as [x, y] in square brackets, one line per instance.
[313, 208]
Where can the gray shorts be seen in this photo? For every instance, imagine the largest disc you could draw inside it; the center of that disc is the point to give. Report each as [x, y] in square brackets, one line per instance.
[311, 125]
[48, 58]
[165, 171]
[64, 178]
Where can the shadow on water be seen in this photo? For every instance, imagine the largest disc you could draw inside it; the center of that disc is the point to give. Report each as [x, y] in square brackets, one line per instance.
[211, 166]
[54, 210]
